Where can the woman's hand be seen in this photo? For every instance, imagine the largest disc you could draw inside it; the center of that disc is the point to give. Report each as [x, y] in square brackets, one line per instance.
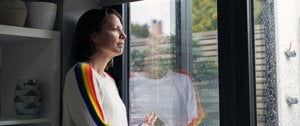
[149, 119]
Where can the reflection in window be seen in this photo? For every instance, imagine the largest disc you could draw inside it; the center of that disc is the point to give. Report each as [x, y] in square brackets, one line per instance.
[265, 63]
[173, 73]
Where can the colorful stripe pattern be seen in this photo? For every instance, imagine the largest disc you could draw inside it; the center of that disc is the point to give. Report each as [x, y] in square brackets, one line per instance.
[201, 114]
[84, 77]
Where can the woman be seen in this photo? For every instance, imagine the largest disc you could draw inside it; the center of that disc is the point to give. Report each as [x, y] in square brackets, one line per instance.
[90, 94]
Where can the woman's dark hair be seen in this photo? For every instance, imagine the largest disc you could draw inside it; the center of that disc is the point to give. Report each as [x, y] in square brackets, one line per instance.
[89, 23]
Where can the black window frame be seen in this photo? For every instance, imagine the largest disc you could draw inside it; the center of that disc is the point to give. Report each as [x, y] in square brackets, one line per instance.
[236, 63]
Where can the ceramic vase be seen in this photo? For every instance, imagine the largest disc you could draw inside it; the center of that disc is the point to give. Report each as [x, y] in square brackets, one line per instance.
[13, 12]
[27, 98]
[41, 15]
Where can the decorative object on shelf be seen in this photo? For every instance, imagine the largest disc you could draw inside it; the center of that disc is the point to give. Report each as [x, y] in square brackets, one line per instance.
[13, 12]
[41, 14]
[27, 98]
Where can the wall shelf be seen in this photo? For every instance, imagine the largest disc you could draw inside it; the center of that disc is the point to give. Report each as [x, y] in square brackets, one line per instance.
[9, 34]
[12, 121]
[28, 53]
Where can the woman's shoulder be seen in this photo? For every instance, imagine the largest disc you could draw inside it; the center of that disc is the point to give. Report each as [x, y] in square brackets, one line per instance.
[77, 67]
[81, 65]
[78, 71]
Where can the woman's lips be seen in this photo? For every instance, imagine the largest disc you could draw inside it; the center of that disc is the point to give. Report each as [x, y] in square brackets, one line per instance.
[120, 44]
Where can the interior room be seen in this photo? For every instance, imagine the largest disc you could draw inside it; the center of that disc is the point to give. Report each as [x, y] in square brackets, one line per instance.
[182, 62]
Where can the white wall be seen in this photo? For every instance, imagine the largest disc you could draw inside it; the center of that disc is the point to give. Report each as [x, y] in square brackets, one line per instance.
[287, 20]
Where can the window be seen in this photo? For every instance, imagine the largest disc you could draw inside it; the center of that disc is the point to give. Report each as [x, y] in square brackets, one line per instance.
[174, 62]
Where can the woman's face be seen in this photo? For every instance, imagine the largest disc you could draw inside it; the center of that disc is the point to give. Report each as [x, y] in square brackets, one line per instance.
[110, 40]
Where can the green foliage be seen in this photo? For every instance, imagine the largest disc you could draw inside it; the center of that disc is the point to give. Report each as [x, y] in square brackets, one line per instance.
[204, 14]
[206, 70]
[137, 59]
[140, 31]
[196, 40]
[258, 6]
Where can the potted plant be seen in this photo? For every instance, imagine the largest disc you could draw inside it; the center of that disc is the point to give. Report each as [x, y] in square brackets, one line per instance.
[41, 14]
[13, 12]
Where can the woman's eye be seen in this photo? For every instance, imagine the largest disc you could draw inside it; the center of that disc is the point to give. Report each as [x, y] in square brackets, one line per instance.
[117, 29]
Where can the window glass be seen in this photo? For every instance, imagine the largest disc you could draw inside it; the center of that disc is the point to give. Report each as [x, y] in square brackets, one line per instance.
[173, 62]
[260, 63]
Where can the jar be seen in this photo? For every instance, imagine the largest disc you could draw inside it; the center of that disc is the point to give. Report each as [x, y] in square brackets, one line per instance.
[27, 98]
[13, 12]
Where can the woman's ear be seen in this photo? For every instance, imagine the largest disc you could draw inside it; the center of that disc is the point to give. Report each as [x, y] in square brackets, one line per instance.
[94, 37]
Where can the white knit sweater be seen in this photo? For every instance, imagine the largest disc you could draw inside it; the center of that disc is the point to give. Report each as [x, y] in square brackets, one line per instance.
[75, 112]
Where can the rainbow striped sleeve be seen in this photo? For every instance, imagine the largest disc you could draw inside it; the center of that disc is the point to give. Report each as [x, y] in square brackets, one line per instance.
[84, 77]
[201, 113]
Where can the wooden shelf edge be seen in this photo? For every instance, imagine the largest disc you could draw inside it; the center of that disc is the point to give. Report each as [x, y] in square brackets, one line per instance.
[14, 121]
[28, 32]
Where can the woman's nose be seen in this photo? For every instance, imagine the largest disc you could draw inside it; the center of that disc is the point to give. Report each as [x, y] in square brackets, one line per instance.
[123, 35]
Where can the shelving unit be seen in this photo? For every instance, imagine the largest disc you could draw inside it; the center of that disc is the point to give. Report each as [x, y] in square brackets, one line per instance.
[27, 53]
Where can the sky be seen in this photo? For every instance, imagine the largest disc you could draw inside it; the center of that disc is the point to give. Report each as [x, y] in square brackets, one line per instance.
[143, 12]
